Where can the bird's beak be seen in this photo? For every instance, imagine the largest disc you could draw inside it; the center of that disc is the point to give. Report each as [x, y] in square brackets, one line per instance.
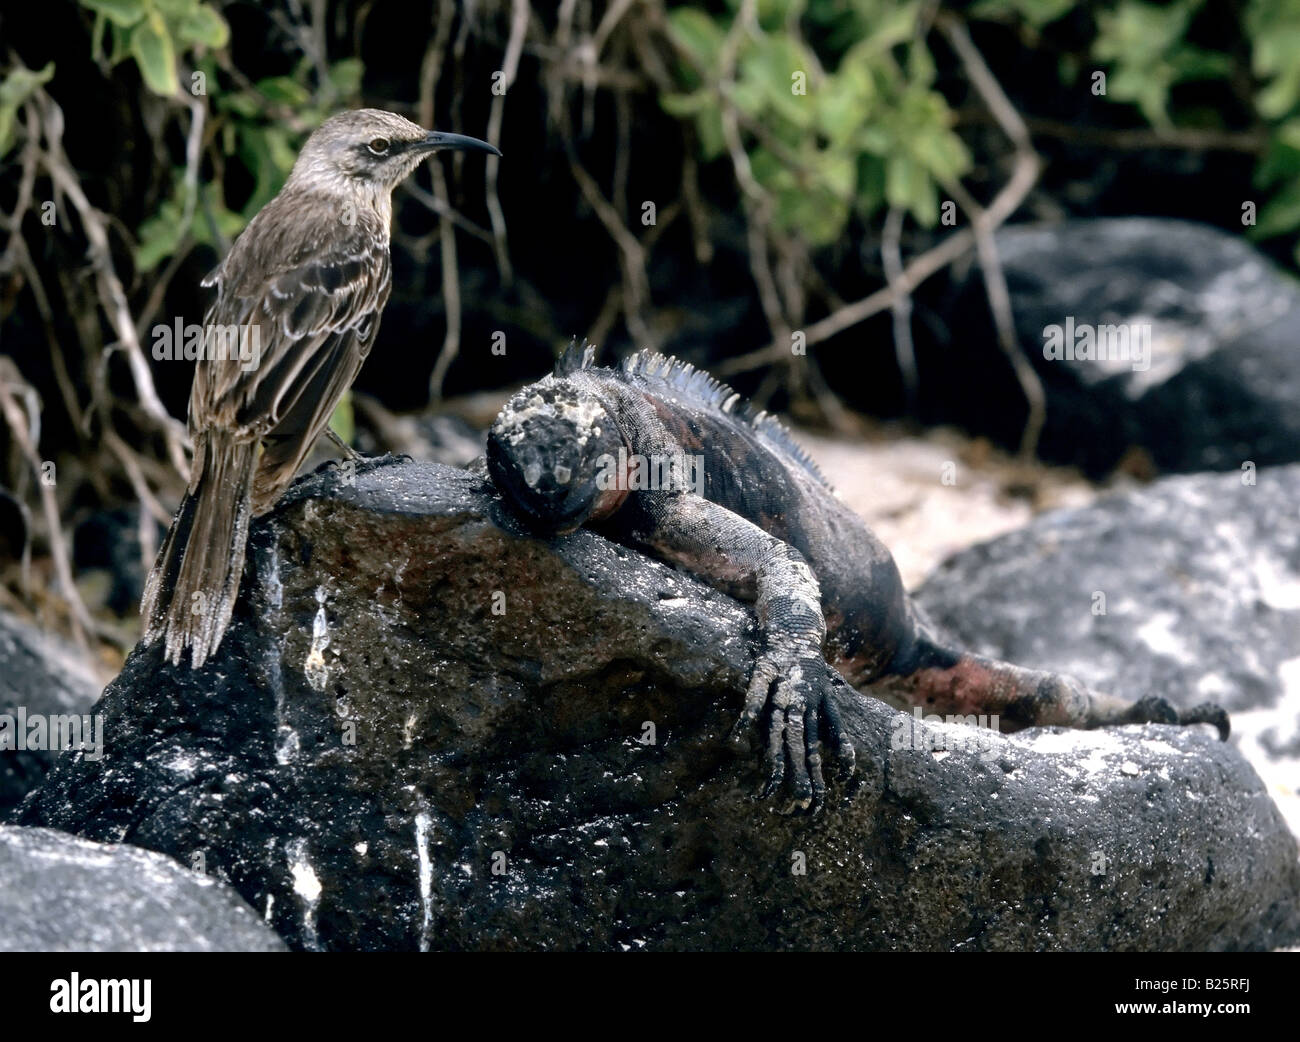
[439, 142]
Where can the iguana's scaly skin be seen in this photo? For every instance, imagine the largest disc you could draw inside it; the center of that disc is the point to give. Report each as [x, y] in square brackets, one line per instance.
[764, 526]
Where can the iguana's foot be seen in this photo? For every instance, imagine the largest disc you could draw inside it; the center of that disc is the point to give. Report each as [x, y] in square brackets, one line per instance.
[798, 684]
[1156, 710]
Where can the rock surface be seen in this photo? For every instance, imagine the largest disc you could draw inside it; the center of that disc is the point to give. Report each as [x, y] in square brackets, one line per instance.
[44, 677]
[1224, 374]
[63, 894]
[1199, 578]
[377, 760]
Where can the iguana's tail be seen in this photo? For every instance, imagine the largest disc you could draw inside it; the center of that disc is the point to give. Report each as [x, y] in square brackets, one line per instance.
[190, 594]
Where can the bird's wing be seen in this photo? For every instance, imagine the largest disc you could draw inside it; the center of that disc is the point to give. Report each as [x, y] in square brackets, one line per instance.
[286, 447]
[299, 279]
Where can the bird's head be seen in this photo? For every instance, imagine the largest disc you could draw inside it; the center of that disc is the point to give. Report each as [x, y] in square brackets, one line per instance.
[376, 147]
[551, 453]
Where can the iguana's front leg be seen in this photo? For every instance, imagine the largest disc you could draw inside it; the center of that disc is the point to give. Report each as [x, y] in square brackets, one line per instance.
[791, 673]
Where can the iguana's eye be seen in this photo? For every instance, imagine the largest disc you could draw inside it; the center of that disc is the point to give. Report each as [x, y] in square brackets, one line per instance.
[378, 145]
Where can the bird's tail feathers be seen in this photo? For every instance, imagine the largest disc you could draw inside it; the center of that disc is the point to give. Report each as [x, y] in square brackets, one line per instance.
[191, 592]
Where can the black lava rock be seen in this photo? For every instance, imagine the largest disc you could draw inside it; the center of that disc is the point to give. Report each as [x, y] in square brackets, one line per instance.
[427, 729]
[40, 677]
[1223, 377]
[1189, 588]
[63, 894]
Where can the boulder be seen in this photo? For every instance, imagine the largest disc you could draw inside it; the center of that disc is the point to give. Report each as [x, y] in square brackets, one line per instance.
[1223, 375]
[428, 730]
[59, 893]
[41, 678]
[1189, 588]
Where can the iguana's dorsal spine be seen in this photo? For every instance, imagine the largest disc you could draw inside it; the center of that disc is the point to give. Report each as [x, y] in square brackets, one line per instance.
[698, 387]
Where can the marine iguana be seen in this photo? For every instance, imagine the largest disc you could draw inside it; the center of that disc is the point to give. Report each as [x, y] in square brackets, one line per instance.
[733, 499]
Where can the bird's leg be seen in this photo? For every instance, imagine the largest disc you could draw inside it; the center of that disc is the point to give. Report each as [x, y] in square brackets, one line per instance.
[347, 449]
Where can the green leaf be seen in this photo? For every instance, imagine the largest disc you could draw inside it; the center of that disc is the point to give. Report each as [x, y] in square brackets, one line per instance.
[1037, 13]
[19, 84]
[891, 27]
[122, 13]
[1192, 63]
[1146, 87]
[908, 186]
[767, 69]
[342, 420]
[1142, 42]
[204, 26]
[14, 90]
[708, 126]
[345, 76]
[1274, 31]
[284, 90]
[245, 103]
[268, 152]
[1288, 134]
[1280, 97]
[1280, 215]
[697, 33]
[151, 45]
[1281, 162]
[813, 201]
[686, 106]
[841, 109]
[941, 152]
[174, 9]
[160, 236]
[121, 43]
[773, 14]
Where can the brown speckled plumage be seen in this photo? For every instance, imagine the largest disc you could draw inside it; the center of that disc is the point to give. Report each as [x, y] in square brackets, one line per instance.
[308, 280]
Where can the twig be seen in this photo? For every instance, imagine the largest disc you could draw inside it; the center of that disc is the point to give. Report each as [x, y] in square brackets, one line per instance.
[631, 253]
[984, 222]
[921, 268]
[891, 256]
[446, 211]
[111, 294]
[758, 206]
[509, 70]
[430, 73]
[21, 430]
[1187, 139]
[938, 257]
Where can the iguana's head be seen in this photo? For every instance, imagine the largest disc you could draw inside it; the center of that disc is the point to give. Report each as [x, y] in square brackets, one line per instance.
[545, 451]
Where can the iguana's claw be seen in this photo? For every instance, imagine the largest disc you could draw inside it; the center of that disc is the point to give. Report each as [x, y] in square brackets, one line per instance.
[1156, 710]
[1208, 713]
[801, 706]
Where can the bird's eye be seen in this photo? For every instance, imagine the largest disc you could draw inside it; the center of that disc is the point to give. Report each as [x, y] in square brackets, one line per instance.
[378, 145]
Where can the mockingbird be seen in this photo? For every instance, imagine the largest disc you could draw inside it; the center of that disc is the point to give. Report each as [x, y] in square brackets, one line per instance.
[302, 289]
